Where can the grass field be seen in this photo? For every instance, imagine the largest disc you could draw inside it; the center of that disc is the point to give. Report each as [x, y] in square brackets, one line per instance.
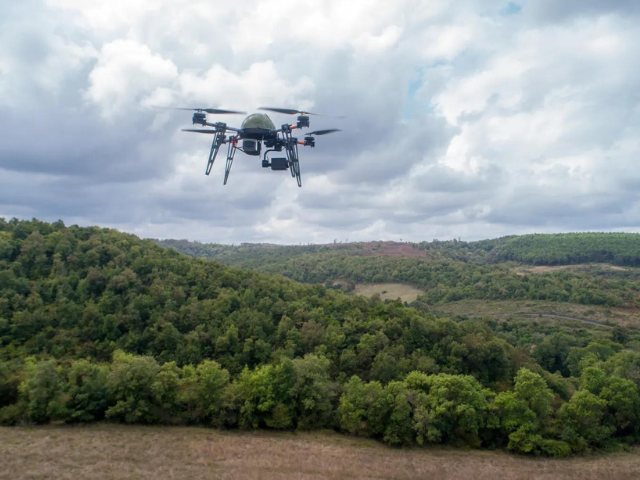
[388, 291]
[128, 452]
[529, 309]
[578, 267]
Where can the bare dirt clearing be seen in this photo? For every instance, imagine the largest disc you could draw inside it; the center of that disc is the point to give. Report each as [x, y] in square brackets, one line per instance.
[133, 452]
[388, 291]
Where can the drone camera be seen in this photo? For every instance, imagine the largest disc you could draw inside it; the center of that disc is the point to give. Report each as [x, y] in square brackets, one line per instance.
[251, 147]
[303, 121]
[200, 118]
[273, 144]
[279, 164]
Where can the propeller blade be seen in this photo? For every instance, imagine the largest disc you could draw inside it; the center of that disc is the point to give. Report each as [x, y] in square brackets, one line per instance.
[220, 111]
[324, 132]
[211, 132]
[207, 110]
[287, 111]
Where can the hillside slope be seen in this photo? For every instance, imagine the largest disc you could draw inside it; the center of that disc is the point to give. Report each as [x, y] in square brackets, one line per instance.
[569, 249]
[452, 271]
[97, 324]
[535, 249]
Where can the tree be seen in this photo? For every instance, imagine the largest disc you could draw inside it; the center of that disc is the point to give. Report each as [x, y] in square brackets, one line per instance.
[88, 395]
[448, 408]
[583, 421]
[43, 391]
[202, 390]
[131, 380]
[623, 404]
[532, 389]
[362, 408]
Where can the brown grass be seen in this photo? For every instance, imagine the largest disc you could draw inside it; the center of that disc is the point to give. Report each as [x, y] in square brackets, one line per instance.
[121, 452]
[528, 309]
[578, 266]
[388, 291]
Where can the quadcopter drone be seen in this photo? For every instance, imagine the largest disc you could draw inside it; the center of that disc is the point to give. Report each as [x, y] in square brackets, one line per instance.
[255, 130]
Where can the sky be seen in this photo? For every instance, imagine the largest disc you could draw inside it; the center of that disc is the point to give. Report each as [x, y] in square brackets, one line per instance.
[469, 119]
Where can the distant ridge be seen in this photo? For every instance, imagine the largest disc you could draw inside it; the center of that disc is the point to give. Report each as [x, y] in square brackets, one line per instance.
[533, 249]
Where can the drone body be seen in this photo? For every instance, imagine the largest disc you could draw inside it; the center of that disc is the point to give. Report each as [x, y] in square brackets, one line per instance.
[256, 131]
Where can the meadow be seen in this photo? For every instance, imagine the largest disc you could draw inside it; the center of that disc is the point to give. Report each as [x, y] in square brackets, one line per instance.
[104, 451]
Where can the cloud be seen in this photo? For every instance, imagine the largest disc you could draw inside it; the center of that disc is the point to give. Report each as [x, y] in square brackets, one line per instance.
[468, 120]
[128, 74]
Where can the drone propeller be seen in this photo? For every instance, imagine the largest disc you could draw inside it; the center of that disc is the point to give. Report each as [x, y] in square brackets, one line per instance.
[324, 132]
[291, 111]
[211, 132]
[206, 110]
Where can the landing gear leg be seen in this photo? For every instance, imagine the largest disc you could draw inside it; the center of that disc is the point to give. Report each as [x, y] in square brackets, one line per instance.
[291, 146]
[230, 154]
[218, 140]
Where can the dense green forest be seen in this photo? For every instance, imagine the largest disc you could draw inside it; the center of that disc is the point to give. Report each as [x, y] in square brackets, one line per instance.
[451, 271]
[100, 325]
[537, 249]
[569, 249]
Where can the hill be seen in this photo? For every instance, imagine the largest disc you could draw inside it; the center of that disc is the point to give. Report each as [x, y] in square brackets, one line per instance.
[96, 324]
[537, 249]
[453, 271]
[568, 249]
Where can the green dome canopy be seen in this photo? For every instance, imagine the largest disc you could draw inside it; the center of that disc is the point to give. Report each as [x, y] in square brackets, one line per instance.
[258, 120]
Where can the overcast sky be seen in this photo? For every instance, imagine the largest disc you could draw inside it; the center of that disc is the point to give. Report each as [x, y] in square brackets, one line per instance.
[468, 119]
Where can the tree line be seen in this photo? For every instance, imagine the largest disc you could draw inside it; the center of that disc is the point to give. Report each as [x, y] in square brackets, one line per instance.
[600, 411]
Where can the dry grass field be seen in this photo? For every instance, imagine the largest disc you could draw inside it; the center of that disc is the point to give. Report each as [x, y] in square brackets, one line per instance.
[579, 267]
[124, 452]
[532, 310]
[389, 291]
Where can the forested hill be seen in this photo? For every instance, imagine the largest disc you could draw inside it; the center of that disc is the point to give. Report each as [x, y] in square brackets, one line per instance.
[567, 249]
[453, 270]
[537, 249]
[97, 324]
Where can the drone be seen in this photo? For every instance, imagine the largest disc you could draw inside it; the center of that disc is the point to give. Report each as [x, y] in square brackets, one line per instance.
[255, 130]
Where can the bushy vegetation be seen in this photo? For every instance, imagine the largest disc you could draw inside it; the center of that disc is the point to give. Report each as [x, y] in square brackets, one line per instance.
[96, 324]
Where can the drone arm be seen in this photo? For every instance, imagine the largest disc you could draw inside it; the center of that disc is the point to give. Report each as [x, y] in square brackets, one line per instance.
[218, 126]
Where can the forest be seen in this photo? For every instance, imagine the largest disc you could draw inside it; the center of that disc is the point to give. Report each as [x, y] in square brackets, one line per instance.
[99, 325]
[452, 271]
[536, 249]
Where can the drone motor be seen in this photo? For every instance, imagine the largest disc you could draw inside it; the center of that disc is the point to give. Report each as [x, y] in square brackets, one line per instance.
[303, 121]
[199, 118]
